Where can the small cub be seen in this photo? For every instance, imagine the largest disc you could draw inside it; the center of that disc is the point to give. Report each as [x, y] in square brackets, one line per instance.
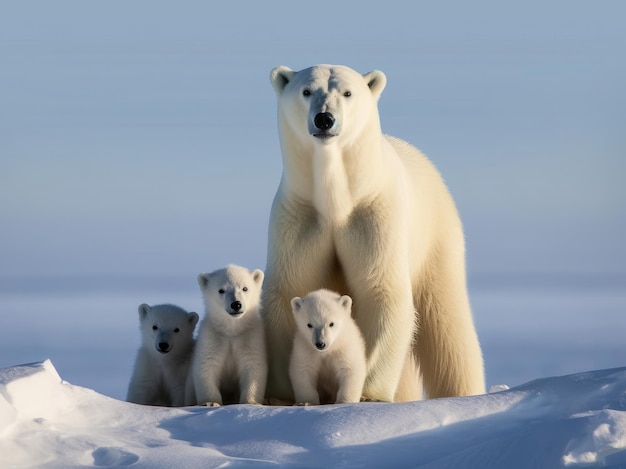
[163, 360]
[328, 358]
[230, 363]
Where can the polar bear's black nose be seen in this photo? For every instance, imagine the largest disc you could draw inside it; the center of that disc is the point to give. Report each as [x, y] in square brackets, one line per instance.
[324, 120]
[320, 345]
[163, 347]
[236, 305]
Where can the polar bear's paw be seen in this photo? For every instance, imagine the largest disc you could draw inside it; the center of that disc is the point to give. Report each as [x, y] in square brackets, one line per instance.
[212, 404]
[367, 399]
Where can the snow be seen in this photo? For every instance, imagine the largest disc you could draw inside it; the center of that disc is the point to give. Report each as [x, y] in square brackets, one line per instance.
[576, 420]
[116, 141]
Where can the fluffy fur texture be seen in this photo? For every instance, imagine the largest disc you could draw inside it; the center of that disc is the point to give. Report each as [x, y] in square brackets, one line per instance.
[230, 363]
[160, 376]
[366, 215]
[328, 359]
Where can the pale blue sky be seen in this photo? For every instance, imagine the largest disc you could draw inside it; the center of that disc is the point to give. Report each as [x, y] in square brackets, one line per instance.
[141, 138]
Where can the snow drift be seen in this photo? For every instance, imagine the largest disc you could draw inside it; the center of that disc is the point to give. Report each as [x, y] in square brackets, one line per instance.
[572, 421]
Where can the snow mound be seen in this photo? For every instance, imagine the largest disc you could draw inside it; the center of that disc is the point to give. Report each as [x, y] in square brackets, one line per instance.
[571, 421]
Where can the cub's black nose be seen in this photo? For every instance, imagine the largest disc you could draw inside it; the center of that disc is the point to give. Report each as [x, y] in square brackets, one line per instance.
[324, 120]
[163, 347]
[236, 305]
[320, 345]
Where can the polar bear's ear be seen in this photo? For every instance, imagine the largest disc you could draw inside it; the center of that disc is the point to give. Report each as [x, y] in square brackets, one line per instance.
[376, 81]
[279, 77]
[203, 279]
[346, 303]
[193, 319]
[257, 276]
[143, 311]
[296, 304]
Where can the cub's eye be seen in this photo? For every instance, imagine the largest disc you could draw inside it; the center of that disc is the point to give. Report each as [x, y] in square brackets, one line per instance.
[309, 326]
[347, 94]
[306, 93]
[221, 291]
[331, 324]
[154, 328]
[177, 330]
[245, 288]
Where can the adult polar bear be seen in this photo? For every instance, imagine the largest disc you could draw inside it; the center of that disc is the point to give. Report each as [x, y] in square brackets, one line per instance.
[367, 215]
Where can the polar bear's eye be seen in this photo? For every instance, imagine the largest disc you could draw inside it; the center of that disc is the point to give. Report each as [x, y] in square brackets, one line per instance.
[154, 328]
[347, 94]
[245, 288]
[331, 324]
[177, 330]
[306, 92]
[309, 326]
[221, 291]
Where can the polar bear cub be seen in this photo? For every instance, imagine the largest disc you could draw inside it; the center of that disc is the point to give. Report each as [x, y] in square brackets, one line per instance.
[164, 358]
[328, 358]
[230, 363]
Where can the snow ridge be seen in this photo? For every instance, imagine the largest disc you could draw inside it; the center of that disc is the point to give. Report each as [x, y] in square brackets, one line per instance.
[571, 421]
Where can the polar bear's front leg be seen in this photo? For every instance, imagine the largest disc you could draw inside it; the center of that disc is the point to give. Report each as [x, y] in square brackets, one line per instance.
[387, 321]
[351, 372]
[177, 395]
[190, 390]
[252, 388]
[277, 321]
[206, 375]
[350, 387]
[300, 260]
[252, 380]
[306, 394]
[374, 257]
[208, 392]
[144, 387]
[304, 373]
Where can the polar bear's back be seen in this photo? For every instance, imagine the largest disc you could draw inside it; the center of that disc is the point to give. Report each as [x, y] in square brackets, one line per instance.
[419, 168]
[429, 197]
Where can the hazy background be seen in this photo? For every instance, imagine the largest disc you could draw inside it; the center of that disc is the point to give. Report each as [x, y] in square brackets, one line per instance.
[139, 147]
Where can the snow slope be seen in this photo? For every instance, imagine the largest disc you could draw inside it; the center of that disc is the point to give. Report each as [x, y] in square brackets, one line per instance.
[574, 421]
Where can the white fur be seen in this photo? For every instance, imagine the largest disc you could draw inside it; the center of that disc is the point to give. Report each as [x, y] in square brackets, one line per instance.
[230, 363]
[367, 215]
[162, 366]
[328, 356]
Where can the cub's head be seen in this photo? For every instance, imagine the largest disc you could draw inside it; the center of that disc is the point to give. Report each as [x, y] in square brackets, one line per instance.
[320, 317]
[166, 328]
[327, 103]
[233, 290]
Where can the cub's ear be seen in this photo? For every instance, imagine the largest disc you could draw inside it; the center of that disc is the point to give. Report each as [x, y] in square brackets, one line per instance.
[193, 319]
[346, 303]
[257, 276]
[280, 77]
[296, 304]
[203, 279]
[143, 311]
[376, 81]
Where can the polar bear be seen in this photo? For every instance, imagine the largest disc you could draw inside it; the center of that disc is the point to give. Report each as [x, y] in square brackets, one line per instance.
[230, 362]
[328, 357]
[163, 360]
[366, 215]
